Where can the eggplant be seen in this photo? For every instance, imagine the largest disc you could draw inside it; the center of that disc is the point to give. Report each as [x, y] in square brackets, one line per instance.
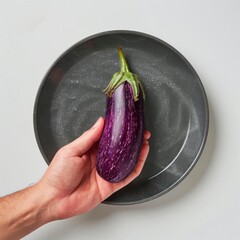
[122, 138]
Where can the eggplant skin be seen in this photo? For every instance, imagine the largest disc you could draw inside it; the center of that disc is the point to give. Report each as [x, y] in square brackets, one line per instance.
[122, 138]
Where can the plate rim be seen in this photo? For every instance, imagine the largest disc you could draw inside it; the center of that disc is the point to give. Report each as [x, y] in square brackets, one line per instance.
[204, 95]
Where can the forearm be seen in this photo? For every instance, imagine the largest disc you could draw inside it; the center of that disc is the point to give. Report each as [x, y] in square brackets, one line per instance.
[22, 212]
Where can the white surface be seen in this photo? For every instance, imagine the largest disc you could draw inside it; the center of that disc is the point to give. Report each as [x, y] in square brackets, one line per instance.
[34, 33]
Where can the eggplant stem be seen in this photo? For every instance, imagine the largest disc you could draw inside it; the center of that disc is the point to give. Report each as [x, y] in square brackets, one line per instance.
[123, 62]
[122, 76]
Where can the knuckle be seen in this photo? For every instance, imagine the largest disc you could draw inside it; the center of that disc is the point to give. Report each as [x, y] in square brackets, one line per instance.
[61, 152]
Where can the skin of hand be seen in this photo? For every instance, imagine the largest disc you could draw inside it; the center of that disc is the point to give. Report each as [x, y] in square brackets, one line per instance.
[72, 182]
[69, 187]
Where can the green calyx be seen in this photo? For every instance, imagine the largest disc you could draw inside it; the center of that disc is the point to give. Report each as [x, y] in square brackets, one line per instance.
[122, 76]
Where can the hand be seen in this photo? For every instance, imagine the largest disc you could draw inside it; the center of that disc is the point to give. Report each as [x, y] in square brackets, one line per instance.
[71, 182]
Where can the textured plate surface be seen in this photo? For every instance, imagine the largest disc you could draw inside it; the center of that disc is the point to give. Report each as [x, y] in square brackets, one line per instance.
[70, 99]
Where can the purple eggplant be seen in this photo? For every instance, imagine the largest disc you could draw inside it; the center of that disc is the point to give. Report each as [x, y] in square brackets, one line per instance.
[122, 137]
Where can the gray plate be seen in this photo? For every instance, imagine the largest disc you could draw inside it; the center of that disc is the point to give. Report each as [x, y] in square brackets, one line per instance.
[70, 99]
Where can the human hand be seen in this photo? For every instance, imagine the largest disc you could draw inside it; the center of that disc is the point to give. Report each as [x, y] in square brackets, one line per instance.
[71, 183]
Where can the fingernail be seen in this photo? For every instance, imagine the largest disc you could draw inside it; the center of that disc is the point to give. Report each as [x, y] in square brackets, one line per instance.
[96, 123]
[149, 134]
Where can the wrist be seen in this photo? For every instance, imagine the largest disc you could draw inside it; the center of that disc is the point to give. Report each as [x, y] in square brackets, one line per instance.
[43, 202]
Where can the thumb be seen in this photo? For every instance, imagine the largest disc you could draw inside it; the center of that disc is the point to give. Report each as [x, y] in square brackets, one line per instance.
[82, 144]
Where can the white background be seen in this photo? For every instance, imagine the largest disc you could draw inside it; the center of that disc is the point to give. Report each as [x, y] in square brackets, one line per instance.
[34, 33]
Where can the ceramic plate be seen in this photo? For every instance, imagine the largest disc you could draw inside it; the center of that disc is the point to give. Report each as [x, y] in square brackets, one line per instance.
[70, 99]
